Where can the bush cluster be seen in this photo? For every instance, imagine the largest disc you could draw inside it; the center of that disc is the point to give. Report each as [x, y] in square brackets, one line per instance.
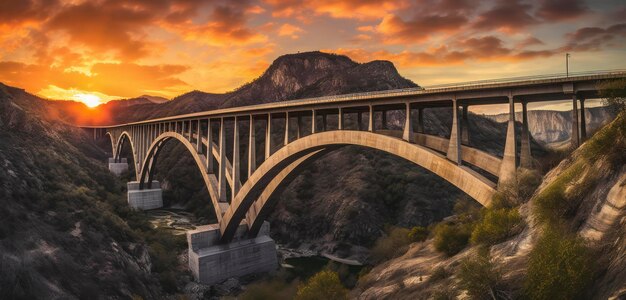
[559, 267]
[322, 286]
[496, 225]
[393, 244]
[480, 277]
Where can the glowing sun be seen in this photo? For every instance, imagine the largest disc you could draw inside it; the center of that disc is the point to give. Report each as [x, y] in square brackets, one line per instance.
[90, 100]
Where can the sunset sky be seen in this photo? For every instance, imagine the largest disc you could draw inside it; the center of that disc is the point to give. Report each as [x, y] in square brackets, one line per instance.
[107, 49]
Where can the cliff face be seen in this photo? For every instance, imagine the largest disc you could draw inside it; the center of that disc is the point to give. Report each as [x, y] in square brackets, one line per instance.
[553, 127]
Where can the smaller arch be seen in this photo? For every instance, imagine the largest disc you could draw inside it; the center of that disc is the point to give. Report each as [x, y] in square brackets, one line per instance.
[120, 143]
[210, 181]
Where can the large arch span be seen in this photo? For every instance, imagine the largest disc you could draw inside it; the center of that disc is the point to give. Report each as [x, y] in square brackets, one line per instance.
[253, 197]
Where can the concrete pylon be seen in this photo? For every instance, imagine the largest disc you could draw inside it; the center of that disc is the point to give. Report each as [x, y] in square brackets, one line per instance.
[236, 172]
[209, 147]
[420, 120]
[508, 165]
[221, 177]
[251, 148]
[199, 137]
[575, 137]
[340, 119]
[370, 121]
[268, 137]
[299, 126]
[286, 141]
[454, 146]
[583, 122]
[408, 125]
[526, 159]
[464, 127]
[313, 116]
[384, 119]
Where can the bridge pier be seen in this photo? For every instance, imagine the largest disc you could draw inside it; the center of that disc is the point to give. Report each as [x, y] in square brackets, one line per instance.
[118, 167]
[454, 147]
[508, 165]
[583, 125]
[144, 199]
[526, 159]
[211, 262]
[575, 137]
[464, 127]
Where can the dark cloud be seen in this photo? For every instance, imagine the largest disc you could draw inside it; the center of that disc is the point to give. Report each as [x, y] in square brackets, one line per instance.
[596, 38]
[556, 10]
[510, 15]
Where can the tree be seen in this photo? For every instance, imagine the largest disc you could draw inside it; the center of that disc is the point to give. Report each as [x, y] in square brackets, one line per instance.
[324, 285]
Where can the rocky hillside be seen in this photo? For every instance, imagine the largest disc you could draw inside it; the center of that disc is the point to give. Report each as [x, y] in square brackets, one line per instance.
[65, 232]
[554, 127]
[572, 241]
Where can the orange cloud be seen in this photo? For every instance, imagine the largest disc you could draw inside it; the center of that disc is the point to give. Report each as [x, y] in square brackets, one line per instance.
[351, 9]
[290, 31]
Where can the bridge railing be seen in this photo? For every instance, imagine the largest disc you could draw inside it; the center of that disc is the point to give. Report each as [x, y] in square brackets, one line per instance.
[527, 78]
[400, 92]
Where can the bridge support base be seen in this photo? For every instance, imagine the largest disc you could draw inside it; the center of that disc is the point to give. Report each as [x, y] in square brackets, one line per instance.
[118, 168]
[145, 199]
[211, 262]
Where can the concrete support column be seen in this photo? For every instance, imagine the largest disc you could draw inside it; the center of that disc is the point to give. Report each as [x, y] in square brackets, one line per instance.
[454, 146]
[209, 147]
[340, 119]
[190, 131]
[252, 148]
[286, 129]
[384, 120]
[221, 177]
[313, 116]
[508, 166]
[236, 171]
[465, 127]
[299, 125]
[420, 120]
[268, 137]
[199, 138]
[583, 122]
[408, 127]
[370, 122]
[359, 120]
[525, 154]
[575, 137]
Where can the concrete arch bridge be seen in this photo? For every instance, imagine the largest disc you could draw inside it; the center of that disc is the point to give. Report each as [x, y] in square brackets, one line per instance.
[292, 133]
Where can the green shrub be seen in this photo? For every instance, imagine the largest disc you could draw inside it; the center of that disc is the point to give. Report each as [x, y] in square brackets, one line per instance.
[324, 285]
[479, 276]
[393, 244]
[496, 225]
[451, 238]
[551, 204]
[559, 267]
[527, 183]
[418, 234]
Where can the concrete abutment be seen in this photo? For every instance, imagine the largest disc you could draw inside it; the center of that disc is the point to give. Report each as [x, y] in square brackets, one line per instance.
[118, 167]
[211, 262]
[144, 199]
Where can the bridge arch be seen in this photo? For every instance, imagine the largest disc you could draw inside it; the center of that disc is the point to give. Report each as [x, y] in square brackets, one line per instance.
[122, 139]
[270, 174]
[148, 163]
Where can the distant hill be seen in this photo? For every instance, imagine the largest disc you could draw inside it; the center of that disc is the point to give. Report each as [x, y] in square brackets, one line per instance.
[553, 128]
[292, 76]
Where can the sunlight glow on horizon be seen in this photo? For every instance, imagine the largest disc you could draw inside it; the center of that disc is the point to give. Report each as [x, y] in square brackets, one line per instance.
[90, 100]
